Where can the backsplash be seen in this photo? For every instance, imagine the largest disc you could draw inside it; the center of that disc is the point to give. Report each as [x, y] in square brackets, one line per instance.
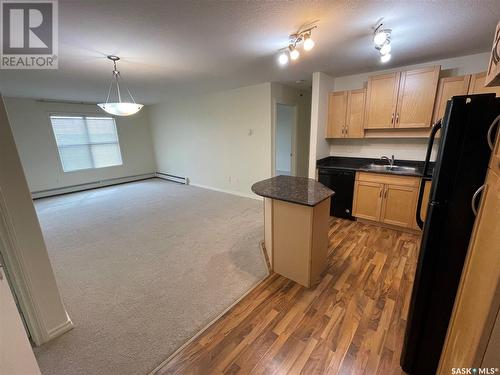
[407, 149]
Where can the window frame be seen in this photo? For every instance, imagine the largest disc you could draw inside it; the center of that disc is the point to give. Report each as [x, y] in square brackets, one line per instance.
[84, 115]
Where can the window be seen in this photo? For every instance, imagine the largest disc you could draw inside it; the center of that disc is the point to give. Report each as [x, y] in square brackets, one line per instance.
[86, 142]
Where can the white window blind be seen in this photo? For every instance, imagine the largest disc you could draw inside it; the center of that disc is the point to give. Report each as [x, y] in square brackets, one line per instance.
[86, 142]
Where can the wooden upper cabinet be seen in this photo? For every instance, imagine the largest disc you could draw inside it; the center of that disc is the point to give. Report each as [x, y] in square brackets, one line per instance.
[355, 113]
[337, 110]
[477, 85]
[417, 91]
[346, 111]
[381, 101]
[447, 88]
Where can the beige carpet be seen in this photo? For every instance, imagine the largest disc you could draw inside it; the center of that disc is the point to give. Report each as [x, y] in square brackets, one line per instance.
[142, 267]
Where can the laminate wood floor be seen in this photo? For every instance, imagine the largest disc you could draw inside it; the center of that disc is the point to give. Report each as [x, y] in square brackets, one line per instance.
[352, 322]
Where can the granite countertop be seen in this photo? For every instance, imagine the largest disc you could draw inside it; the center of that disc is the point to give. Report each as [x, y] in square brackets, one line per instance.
[300, 190]
[360, 164]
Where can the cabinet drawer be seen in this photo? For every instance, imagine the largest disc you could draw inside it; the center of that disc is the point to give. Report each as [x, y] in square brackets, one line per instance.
[388, 179]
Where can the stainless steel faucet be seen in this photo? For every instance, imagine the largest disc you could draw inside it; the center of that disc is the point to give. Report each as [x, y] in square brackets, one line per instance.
[389, 160]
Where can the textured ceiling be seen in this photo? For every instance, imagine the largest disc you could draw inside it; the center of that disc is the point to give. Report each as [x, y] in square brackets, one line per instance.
[173, 48]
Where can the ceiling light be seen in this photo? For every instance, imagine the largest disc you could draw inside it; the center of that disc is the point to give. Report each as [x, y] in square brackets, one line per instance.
[385, 58]
[308, 42]
[300, 38]
[294, 53]
[283, 58]
[119, 108]
[385, 49]
[380, 38]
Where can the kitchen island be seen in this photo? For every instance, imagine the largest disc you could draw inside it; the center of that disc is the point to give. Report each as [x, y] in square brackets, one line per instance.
[296, 213]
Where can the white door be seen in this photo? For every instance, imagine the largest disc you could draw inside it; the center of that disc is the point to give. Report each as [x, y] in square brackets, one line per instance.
[16, 355]
[285, 138]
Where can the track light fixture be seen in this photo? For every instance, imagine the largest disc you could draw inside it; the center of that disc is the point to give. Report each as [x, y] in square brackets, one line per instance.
[382, 41]
[301, 38]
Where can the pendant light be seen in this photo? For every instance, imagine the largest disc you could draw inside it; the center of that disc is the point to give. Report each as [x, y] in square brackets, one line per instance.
[119, 108]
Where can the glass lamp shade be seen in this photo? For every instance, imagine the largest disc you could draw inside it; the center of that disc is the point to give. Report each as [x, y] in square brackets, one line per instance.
[121, 109]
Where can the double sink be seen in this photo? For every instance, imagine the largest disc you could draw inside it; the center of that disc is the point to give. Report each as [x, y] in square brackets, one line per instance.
[389, 168]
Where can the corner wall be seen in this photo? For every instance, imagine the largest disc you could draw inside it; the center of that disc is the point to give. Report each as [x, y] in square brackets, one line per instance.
[23, 247]
[37, 147]
[220, 141]
[319, 147]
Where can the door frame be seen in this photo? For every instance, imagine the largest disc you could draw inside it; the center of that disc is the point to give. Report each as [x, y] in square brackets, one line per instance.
[293, 167]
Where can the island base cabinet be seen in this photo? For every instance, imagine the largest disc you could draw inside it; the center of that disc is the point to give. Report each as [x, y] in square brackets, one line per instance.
[300, 240]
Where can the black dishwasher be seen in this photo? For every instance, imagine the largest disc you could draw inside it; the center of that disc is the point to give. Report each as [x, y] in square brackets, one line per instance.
[341, 181]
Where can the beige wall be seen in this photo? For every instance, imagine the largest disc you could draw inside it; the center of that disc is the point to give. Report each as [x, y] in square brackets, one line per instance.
[37, 147]
[302, 99]
[220, 140]
[411, 149]
[24, 250]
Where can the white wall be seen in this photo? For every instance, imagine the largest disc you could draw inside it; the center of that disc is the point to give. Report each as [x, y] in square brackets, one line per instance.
[410, 149]
[322, 84]
[37, 147]
[300, 97]
[220, 140]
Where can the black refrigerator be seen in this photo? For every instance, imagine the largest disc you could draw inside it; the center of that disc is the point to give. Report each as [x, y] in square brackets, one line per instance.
[460, 170]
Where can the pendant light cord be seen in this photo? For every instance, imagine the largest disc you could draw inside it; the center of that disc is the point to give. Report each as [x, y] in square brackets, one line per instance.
[115, 78]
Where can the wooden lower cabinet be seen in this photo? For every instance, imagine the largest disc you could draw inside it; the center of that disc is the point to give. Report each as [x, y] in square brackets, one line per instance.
[367, 202]
[399, 205]
[385, 198]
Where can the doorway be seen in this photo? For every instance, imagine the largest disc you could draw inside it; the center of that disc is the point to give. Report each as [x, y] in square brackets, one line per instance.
[285, 150]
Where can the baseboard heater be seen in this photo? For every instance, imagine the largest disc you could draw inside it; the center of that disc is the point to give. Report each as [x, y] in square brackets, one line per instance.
[171, 177]
[90, 185]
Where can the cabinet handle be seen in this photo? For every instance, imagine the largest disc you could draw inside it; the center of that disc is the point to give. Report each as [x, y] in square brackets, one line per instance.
[490, 132]
[385, 193]
[397, 118]
[392, 118]
[474, 198]
[381, 191]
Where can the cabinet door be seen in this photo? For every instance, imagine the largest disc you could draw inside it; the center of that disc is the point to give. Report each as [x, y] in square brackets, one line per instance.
[367, 201]
[381, 100]
[448, 87]
[478, 295]
[356, 113]
[398, 206]
[337, 110]
[417, 91]
[477, 85]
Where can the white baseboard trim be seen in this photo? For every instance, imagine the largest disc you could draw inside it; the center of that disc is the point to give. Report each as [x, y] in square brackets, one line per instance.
[60, 329]
[245, 195]
[171, 177]
[90, 185]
